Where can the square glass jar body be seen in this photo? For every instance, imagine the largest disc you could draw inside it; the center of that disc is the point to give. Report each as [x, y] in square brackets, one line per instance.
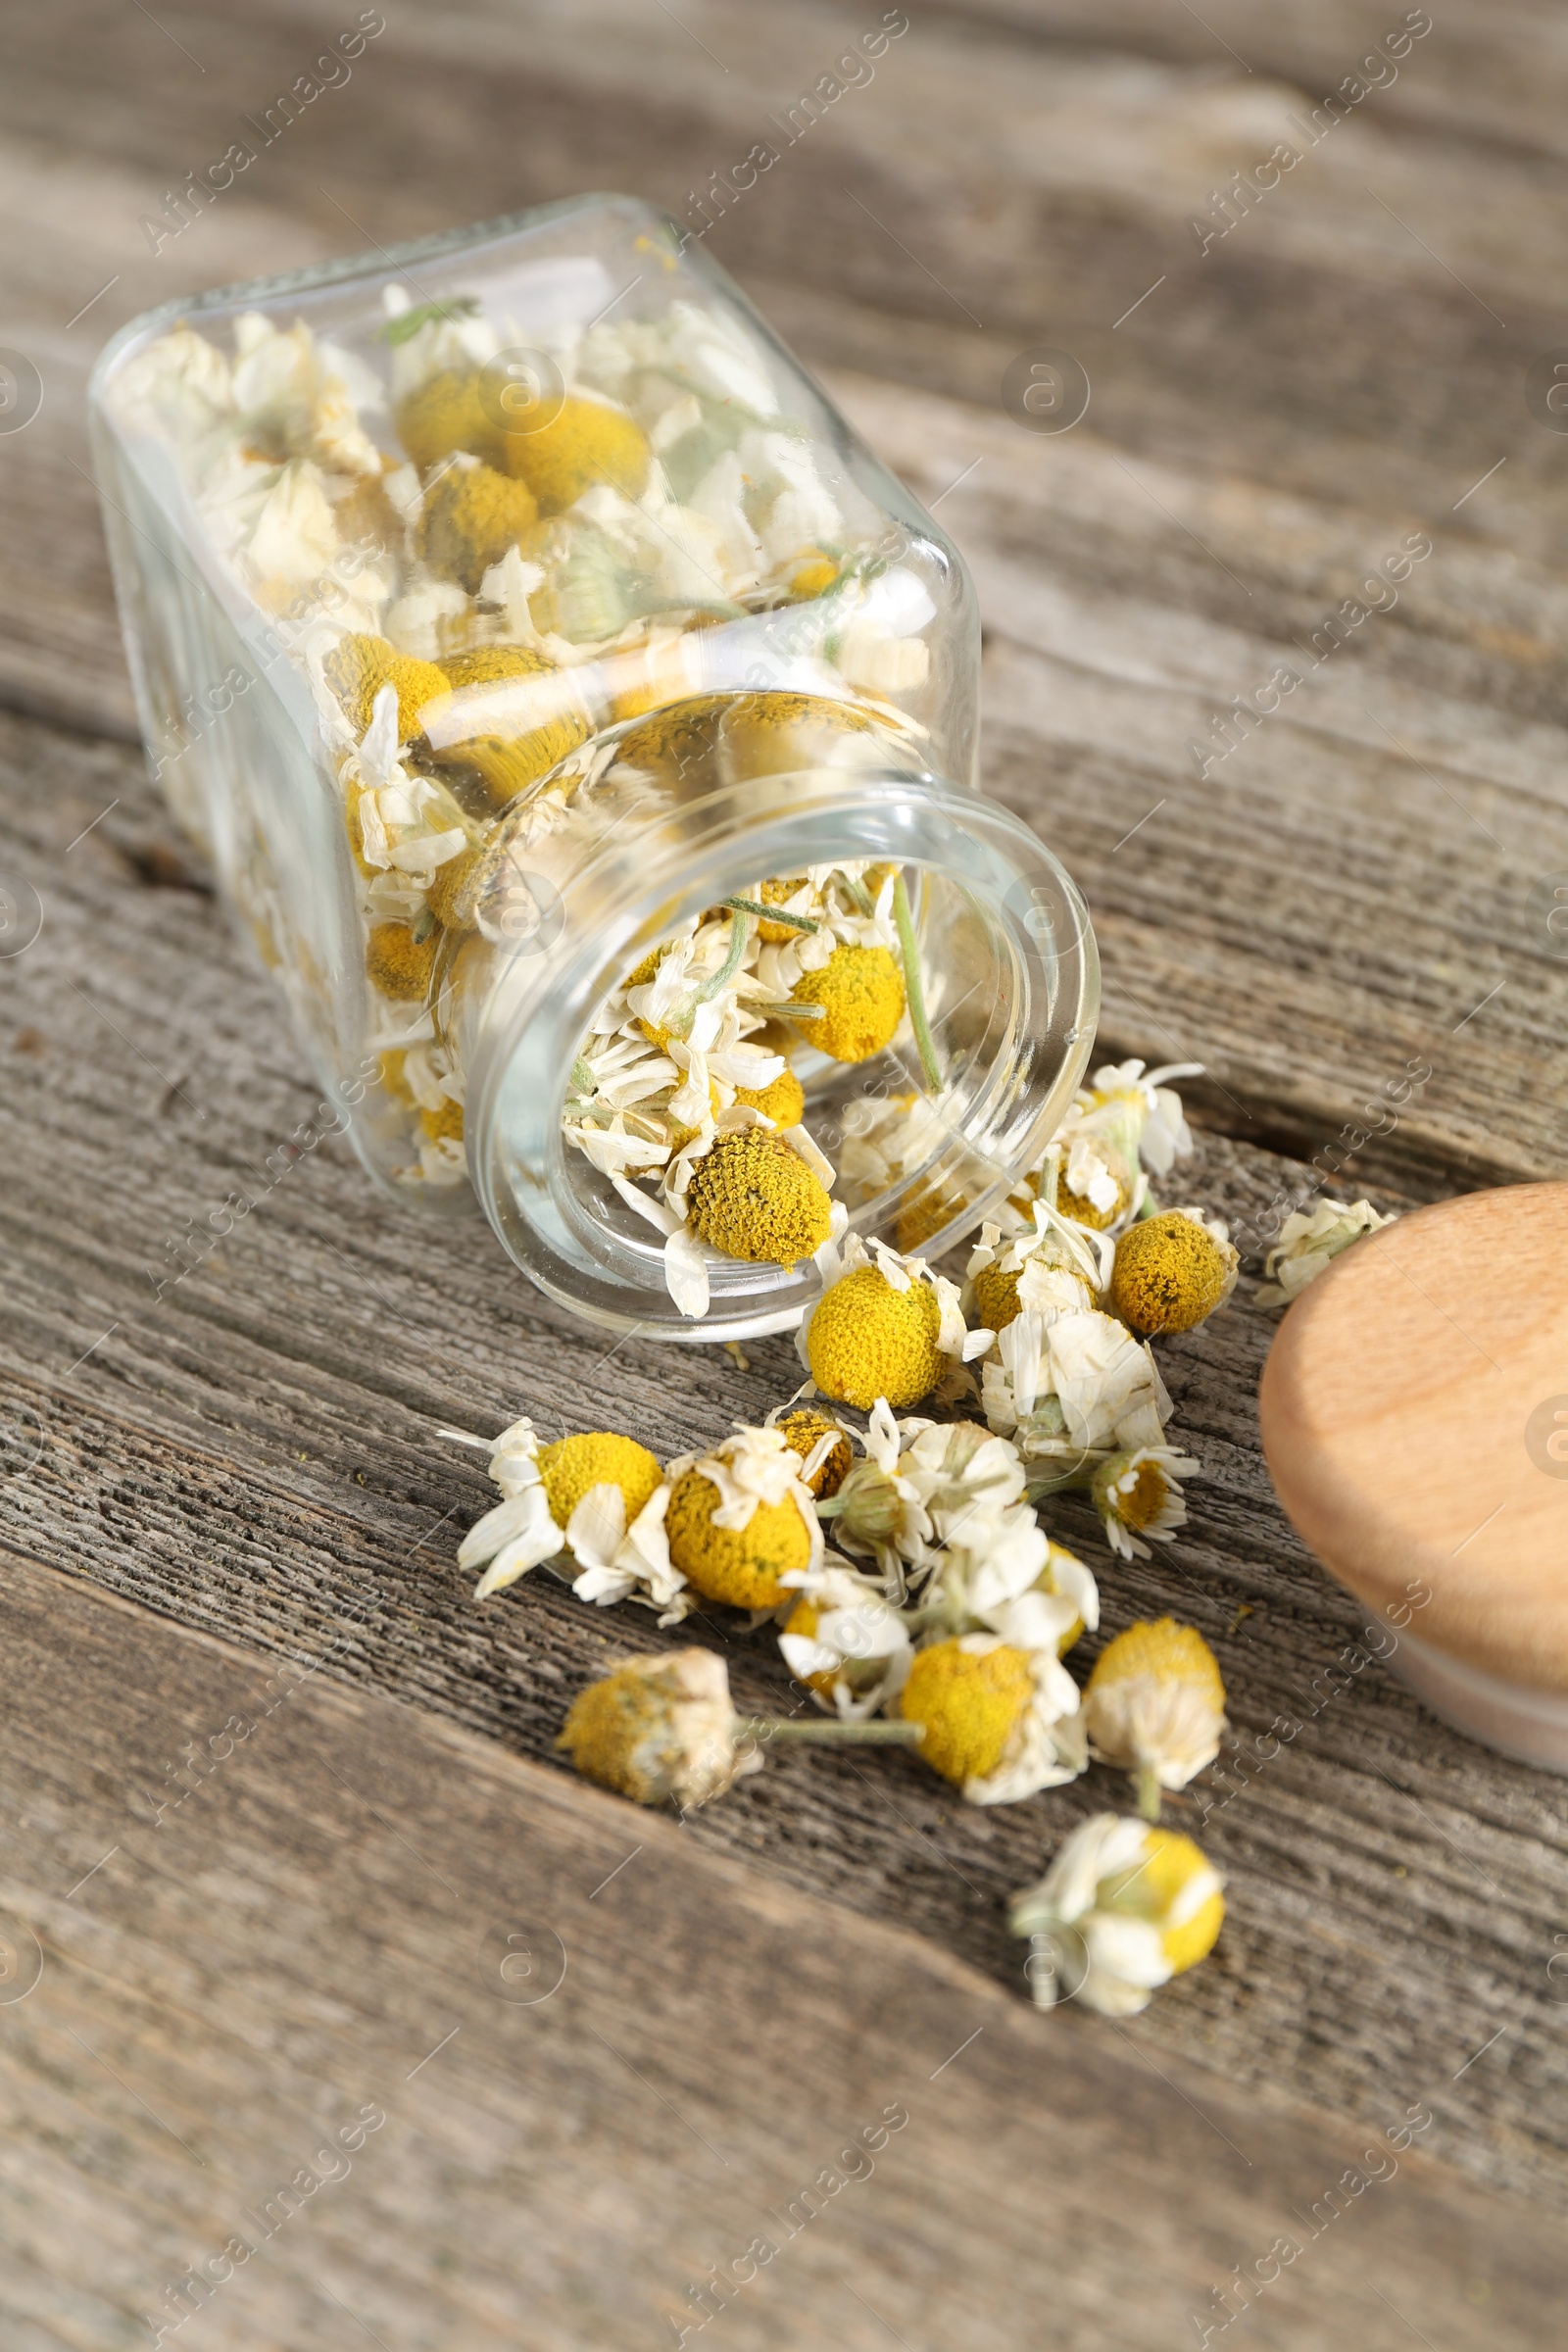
[404, 551]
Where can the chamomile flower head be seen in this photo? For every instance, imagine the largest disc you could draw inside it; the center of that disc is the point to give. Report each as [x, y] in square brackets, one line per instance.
[1154, 1705]
[861, 991]
[444, 414]
[877, 1511]
[517, 731]
[753, 1197]
[596, 1498]
[587, 444]
[845, 1640]
[1057, 1263]
[1172, 1272]
[741, 1520]
[1140, 1112]
[783, 1099]
[400, 965]
[1015, 1582]
[470, 516]
[822, 1443]
[1122, 1909]
[1138, 1493]
[884, 1327]
[359, 666]
[1068, 1387]
[1308, 1244]
[1098, 1186]
[660, 1729]
[997, 1720]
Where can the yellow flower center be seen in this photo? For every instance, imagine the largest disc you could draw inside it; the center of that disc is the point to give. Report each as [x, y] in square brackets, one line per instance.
[1149, 1888]
[1140, 1504]
[801, 1431]
[1169, 1651]
[1169, 1274]
[399, 965]
[861, 993]
[509, 763]
[584, 444]
[754, 1199]
[741, 1566]
[444, 414]
[783, 1101]
[775, 894]
[599, 1458]
[866, 1340]
[471, 516]
[967, 1705]
[359, 666]
[996, 1297]
[443, 1123]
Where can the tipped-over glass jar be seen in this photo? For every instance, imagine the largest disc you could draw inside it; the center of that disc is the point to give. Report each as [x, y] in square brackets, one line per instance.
[583, 726]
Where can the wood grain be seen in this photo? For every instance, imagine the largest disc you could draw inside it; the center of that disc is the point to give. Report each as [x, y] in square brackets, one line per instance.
[317, 1935]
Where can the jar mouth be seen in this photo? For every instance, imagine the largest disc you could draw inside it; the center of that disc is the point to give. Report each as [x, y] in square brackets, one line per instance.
[1012, 982]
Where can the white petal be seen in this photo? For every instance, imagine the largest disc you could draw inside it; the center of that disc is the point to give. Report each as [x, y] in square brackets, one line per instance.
[686, 1272]
[598, 1525]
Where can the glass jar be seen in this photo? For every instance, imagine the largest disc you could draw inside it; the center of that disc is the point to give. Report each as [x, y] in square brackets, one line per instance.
[516, 615]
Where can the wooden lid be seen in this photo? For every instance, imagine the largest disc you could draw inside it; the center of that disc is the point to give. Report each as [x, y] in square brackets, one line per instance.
[1414, 1413]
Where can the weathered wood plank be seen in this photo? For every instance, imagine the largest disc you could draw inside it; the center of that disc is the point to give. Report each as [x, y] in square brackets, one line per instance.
[311, 1940]
[256, 1454]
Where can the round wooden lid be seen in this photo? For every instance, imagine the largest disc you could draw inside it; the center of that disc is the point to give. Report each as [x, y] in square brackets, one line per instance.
[1414, 1413]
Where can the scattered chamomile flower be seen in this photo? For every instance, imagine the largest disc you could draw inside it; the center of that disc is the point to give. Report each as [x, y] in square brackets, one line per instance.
[664, 1730]
[844, 1640]
[1097, 1185]
[1068, 1387]
[741, 1519]
[1154, 1705]
[1172, 1272]
[1140, 1112]
[1138, 1495]
[884, 1327]
[1122, 1909]
[599, 1498]
[998, 1721]
[1016, 1582]
[822, 1443]
[1059, 1263]
[876, 1512]
[1308, 1244]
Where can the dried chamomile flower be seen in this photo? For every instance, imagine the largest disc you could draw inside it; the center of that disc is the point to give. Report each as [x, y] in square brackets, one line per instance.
[997, 1720]
[822, 1443]
[399, 963]
[599, 1497]
[359, 666]
[1140, 1111]
[1154, 1705]
[664, 1730]
[1013, 1582]
[444, 414]
[1308, 1244]
[1138, 1493]
[525, 721]
[1172, 1272]
[884, 1327]
[741, 1519]
[587, 444]
[783, 1099]
[752, 1197]
[1098, 1186]
[1068, 1387]
[875, 1509]
[1122, 1909]
[660, 1729]
[1058, 1264]
[470, 516]
[861, 991]
[846, 1640]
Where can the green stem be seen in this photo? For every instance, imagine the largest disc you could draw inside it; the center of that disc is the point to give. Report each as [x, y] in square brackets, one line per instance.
[911, 983]
[739, 931]
[1146, 1781]
[858, 896]
[771, 915]
[789, 1010]
[827, 1729]
[582, 1077]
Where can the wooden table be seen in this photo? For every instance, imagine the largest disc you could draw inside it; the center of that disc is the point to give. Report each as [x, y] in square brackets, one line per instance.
[230, 1519]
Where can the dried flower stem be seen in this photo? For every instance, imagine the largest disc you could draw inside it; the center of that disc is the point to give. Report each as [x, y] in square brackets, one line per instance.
[825, 1728]
[771, 915]
[911, 983]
